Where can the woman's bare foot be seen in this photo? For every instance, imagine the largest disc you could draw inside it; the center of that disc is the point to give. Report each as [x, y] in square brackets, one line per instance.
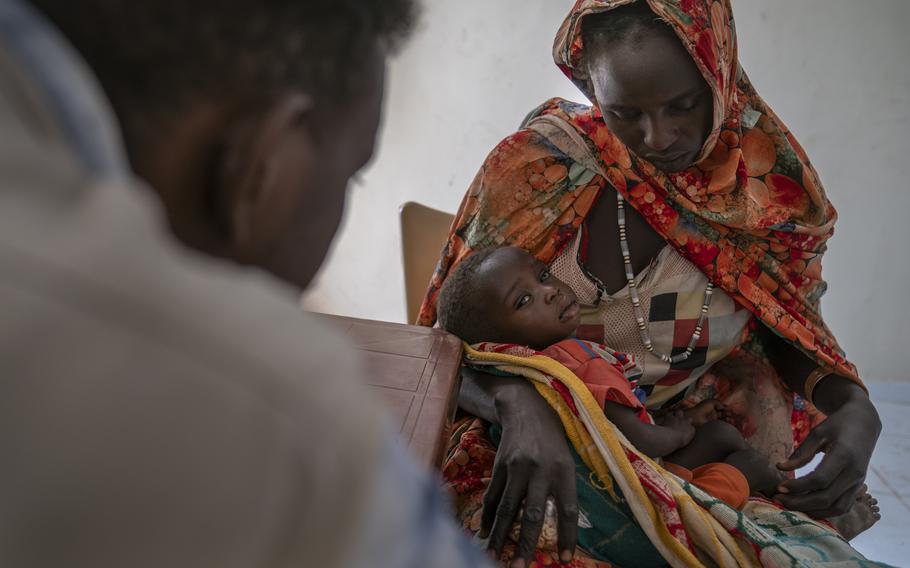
[862, 515]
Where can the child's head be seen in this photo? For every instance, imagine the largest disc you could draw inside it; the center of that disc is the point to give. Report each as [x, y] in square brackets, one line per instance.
[505, 295]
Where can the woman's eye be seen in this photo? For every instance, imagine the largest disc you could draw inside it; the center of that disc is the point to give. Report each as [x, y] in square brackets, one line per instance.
[523, 301]
[625, 114]
[686, 106]
[681, 108]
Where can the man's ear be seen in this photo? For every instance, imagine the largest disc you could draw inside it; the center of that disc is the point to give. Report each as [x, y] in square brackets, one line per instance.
[250, 173]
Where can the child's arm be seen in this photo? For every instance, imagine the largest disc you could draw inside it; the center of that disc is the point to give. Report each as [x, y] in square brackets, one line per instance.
[655, 441]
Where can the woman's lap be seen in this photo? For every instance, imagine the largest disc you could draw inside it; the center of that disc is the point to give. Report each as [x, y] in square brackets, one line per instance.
[606, 527]
[771, 419]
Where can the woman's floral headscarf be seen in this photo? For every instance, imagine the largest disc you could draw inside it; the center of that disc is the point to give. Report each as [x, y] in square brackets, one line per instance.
[750, 213]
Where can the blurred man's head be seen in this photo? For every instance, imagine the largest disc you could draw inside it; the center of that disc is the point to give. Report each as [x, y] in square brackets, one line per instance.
[248, 117]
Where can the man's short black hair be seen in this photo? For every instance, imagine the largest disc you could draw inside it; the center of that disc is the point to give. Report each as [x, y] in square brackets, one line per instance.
[460, 305]
[150, 54]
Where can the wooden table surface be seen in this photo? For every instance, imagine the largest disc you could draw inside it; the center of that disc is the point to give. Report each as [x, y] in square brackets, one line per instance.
[415, 371]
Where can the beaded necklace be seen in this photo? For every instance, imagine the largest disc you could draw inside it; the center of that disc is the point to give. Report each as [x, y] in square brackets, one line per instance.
[636, 302]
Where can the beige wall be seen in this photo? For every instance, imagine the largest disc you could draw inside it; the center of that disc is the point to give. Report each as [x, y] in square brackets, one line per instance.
[836, 71]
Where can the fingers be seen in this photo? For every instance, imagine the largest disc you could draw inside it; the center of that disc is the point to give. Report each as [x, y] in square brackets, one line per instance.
[828, 491]
[820, 478]
[531, 466]
[704, 411]
[492, 498]
[566, 496]
[531, 523]
[813, 444]
[682, 422]
[830, 502]
[507, 510]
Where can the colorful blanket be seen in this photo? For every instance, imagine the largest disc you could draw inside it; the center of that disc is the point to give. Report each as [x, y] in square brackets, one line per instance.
[687, 526]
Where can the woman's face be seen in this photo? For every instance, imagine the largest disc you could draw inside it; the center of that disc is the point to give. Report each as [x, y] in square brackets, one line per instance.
[652, 96]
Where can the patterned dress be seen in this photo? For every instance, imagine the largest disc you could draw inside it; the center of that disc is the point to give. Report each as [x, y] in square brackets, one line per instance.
[671, 290]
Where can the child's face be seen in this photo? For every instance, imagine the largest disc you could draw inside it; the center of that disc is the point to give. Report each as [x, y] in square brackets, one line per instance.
[525, 303]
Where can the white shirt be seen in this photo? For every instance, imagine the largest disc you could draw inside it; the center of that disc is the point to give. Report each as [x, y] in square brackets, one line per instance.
[158, 407]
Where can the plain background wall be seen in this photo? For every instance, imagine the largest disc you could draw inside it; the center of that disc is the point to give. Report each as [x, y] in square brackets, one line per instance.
[836, 71]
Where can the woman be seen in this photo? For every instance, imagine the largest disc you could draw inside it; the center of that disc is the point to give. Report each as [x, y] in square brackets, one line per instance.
[692, 225]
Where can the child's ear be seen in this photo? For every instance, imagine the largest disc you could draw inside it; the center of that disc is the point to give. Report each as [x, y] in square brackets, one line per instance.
[251, 174]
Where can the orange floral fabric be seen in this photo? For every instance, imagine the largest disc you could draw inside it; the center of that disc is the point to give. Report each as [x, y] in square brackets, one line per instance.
[751, 213]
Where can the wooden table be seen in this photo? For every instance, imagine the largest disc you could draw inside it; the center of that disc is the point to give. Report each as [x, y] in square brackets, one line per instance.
[415, 371]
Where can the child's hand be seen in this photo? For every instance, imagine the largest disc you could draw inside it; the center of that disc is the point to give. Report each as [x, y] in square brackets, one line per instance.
[706, 411]
[680, 424]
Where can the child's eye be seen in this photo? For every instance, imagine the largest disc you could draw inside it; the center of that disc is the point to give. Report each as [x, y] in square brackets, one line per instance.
[523, 301]
[544, 274]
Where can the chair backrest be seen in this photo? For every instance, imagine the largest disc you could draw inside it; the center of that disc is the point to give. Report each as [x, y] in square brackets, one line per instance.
[423, 234]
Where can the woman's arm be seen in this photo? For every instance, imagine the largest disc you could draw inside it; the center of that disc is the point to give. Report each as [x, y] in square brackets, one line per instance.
[794, 367]
[847, 436]
[533, 462]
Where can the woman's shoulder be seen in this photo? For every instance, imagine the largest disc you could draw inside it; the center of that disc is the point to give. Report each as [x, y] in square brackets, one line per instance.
[536, 143]
[562, 108]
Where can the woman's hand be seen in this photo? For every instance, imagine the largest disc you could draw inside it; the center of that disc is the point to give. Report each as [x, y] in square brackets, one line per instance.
[847, 437]
[533, 463]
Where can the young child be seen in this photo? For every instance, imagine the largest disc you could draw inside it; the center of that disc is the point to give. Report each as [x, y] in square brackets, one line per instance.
[505, 295]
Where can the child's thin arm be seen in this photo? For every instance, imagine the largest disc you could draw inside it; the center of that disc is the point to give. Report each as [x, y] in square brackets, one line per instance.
[655, 441]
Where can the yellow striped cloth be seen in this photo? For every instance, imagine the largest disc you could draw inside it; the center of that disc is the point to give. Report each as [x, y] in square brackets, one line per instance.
[686, 525]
